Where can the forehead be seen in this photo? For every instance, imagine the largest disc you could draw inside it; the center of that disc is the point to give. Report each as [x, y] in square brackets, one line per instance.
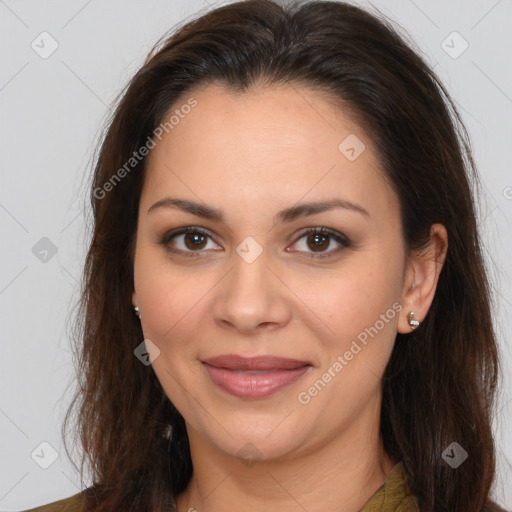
[270, 141]
[275, 117]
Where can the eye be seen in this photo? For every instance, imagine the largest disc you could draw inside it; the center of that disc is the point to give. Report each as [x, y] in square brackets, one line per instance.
[319, 240]
[190, 240]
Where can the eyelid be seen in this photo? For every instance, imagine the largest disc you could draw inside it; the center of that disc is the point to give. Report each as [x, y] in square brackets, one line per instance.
[168, 236]
[338, 237]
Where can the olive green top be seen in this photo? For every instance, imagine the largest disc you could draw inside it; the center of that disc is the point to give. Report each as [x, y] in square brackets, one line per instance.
[392, 496]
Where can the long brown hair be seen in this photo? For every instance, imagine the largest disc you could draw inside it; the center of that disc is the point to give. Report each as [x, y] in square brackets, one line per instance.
[440, 382]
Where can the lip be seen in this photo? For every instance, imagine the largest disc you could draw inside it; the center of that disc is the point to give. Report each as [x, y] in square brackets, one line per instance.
[254, 377]
[268, 362]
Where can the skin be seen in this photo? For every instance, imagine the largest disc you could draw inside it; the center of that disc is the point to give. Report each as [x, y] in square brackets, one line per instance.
[252, 155]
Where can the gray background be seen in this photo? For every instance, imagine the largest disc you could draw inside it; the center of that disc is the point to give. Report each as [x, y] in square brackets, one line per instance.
[52, 111]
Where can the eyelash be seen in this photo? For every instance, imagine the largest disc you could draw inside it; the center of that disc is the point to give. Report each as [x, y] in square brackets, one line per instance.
[342, 240]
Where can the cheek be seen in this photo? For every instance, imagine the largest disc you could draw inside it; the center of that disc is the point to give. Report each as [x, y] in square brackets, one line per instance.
[361, 307]
[171, 299]
[172, 310]
[355, 298]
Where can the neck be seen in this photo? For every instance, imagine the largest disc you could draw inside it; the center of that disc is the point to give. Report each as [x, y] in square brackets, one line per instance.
[339, 475]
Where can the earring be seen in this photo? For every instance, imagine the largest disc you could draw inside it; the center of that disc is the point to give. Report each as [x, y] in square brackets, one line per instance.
[412, 321]
[137, 312]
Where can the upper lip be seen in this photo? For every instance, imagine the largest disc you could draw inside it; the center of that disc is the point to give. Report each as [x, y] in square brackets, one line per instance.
[236, 362]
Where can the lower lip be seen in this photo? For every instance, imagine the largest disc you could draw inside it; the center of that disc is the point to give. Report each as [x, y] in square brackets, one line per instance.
[253, 385]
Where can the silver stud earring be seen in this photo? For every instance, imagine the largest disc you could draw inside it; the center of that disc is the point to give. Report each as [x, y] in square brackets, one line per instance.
[412, 321]
[137, 312]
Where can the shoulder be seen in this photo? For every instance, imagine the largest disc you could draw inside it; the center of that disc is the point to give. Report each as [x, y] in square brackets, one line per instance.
[74, 503]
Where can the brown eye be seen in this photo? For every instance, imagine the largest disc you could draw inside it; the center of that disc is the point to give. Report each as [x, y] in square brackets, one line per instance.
[189, 241]
[318, 242]
[314, 243]
[194, 240]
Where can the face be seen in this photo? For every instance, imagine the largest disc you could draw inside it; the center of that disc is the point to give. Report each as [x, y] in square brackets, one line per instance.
[252, 278]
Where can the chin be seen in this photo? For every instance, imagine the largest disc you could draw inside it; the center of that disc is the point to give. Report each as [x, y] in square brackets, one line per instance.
[263, 442]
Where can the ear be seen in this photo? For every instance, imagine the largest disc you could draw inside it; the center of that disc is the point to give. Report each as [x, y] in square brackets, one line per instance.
[134, 298]
[421, 277]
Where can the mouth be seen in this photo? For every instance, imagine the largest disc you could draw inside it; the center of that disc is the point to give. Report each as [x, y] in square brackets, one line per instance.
[254, 377]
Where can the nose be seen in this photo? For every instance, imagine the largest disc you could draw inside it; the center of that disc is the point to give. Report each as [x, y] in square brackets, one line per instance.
[252, 297]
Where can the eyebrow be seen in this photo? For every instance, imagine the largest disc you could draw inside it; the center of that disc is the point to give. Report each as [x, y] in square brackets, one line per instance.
[286, 215]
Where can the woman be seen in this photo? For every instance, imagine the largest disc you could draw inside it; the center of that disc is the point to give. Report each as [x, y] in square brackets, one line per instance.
[283, 198]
